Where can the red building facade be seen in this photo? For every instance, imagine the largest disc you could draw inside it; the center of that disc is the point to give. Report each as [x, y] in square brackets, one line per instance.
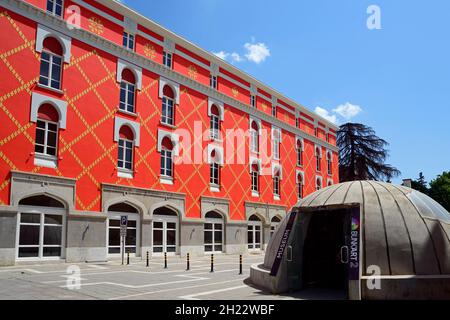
[116, 115]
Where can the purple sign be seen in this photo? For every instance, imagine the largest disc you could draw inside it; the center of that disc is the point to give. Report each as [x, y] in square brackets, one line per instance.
[283, 244]
[353, 271]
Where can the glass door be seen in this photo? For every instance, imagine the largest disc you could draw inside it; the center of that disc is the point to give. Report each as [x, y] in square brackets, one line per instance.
[254, 235]
[131, 239]
[165, 235]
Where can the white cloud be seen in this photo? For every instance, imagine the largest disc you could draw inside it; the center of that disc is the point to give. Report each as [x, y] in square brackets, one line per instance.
[347, 110]
[326, 115]
[256, 52]
[221, 54]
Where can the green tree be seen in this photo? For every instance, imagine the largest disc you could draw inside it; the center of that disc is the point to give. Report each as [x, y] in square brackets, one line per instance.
[420, 184]
[440, 189]
[362, 154]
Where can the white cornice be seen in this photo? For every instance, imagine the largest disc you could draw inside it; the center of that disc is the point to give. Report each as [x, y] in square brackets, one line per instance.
[36, 14]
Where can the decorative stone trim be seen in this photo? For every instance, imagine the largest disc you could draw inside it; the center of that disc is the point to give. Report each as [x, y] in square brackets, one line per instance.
[66, 42]
[137, 71]
[38, 100]
[134, 126]
[275, 167]
[254, 160]
[211, 102]
[173, 85]
[219, 153]
[172, 136]
[297, 138]
[300, 173]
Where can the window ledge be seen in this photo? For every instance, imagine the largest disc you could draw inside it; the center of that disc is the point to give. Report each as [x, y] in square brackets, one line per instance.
[166, 180]
[133, 114]
[276, 198]
[214, 188]
[42, 86]
[42, 160]
[171, 126]
[255, 194]
[127, 174]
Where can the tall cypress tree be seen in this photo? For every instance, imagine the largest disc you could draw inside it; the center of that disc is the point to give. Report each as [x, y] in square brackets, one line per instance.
[362, 154]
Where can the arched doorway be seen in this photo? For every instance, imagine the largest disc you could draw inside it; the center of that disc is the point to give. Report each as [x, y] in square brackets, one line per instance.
[42, 224]
[132, 238]
[165, 231]
[274, 224]
[213, 232]
[254, 233]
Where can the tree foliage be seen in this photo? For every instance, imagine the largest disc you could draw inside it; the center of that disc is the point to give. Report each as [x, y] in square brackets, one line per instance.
[420, 184]
[440, 189]
[362, 154]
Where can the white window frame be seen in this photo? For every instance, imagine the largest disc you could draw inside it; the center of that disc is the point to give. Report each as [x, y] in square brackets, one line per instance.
[129, 40]
[165, 220]
[51, 64]
[54, 5]
[276, 187]
[213, 230]
[125, 105]
[214, 174]
[253, 100]
[167, 104]
[254, 182]
[318, 156]
[44, 159]
[329, 163]
[317, 187]
[252, 227]
[168, 59]
[42, 211]
[213, 81]
[166, 155]
[214, 122]
[131, 217]
[254, 136]
[123, 171]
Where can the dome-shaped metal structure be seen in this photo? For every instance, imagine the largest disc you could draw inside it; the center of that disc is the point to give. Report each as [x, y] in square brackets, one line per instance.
[403, 236]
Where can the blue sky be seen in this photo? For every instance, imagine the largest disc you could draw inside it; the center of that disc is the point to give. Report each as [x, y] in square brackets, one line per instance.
[321, 54]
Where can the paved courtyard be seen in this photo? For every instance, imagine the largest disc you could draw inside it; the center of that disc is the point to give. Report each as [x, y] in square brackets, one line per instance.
[113, 281]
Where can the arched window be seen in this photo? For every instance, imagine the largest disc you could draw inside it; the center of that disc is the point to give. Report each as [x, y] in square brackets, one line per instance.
[254, 137]
[126, 148]
[46, 142]
[214, 173]
[55, 7]
[255, 178]
[51, 64]
[127, 91]
[215, 122]
[276, 139]
[168, 106]
[166, 158]
[299, 151]
[274, 225]
[329, 163]
[318, 183]
[213, 235]
[276, 184]
[165, 231]
[254, 233]
[131, 244]
[299, 185]
[318, 159]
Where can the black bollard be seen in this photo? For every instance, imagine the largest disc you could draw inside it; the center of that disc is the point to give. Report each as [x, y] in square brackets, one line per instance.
[165, 260]
[147, 260]
[187, 262]
[212, 262]
[128, 257]
[240, 264]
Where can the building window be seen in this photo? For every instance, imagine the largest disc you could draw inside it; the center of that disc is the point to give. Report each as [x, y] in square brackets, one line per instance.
[127, 91]
[253, 101]
[167, 59]
[165, 231]
[214, 172]
[318, 183]
[274, 223]
[300, 186]
[297, 121]
[213, 81]
[128, 40]
[254, 233]
[46, 132]
[166, 158]
[316, 132]
[329, 164]
[328, 137]
[126, 147]
[41, 230]
[131, 242]
[274, 110]
[299, 152]
[55, 7]
[51, 64]
[255, 178]
[215, 122]
[254, 137]
[213, 232]
[168, 106]
[276, 144]
[276, 184]
[318, 159]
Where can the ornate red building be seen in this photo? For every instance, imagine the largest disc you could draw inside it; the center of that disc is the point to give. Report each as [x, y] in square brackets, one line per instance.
[105, 113]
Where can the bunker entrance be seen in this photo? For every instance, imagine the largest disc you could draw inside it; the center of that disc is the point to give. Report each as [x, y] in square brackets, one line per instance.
[325, 251]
